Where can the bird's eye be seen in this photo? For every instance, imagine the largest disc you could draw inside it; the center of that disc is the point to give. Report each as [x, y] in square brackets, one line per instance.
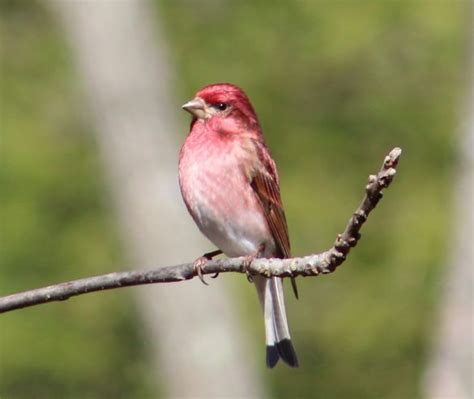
[220, 106]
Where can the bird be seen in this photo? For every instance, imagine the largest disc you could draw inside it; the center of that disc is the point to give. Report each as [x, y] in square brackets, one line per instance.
[230, 186]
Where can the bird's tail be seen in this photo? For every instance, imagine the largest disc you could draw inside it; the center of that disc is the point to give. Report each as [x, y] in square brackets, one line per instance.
[278, 340]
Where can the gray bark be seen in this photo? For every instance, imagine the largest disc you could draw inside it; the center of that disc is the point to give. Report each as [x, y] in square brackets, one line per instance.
[312, 265]
[450, 372]
[195, 338]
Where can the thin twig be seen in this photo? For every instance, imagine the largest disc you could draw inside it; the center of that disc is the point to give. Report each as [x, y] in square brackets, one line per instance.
[312, 265]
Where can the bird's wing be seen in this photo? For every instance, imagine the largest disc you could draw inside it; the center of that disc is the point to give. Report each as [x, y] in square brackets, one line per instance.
[265, 186]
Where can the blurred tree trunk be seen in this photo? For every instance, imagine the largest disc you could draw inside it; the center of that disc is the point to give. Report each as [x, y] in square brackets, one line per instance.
[450, 374]
[196, 341]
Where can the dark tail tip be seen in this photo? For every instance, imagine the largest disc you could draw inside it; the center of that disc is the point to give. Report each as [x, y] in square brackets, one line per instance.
[287, 352]
[272, 356]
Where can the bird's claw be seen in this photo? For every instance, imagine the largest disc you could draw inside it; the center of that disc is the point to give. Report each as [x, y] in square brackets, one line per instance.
[248, 261]
[198, 266]
[200, 262]
[246, 266]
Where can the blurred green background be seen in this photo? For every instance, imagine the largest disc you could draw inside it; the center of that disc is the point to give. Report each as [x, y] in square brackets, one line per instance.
[336, 85]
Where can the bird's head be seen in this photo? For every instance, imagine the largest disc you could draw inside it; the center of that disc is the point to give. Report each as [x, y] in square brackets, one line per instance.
[223, 105]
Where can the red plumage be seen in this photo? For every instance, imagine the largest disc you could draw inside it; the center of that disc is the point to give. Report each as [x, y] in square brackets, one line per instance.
[230, 186]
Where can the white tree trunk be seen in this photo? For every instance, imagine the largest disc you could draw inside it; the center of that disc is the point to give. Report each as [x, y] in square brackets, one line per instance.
[450, 373]
[196, 340]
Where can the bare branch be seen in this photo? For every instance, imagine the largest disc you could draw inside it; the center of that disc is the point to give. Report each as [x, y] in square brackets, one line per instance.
[313, 265]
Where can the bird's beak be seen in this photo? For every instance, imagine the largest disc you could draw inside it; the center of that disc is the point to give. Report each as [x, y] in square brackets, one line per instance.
[196, 107]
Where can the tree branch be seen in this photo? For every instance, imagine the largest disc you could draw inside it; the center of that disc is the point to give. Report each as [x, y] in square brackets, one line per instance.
[312, 265]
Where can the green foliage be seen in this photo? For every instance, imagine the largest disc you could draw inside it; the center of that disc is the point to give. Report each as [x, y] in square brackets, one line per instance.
[336, 85]
[55, 227]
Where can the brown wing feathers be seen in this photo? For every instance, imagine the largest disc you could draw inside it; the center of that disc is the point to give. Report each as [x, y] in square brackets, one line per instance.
[269, 195]
[265, 185]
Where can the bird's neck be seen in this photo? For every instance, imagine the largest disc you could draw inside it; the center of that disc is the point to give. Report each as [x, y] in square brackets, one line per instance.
[215, 130]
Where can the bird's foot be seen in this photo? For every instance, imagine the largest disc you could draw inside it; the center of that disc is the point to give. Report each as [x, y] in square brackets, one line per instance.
[246, 266]
[199, 263]
[248, 261]
[198, 266]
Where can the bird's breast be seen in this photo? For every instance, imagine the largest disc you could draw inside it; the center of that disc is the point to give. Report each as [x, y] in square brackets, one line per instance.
[214, 181]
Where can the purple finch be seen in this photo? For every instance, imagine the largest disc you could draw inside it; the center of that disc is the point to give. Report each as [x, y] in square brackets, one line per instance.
[230, 185]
